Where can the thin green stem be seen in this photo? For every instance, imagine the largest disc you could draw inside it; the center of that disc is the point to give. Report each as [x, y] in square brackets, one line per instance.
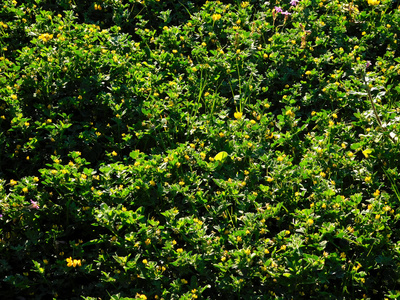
[374, 107]
[393, 184]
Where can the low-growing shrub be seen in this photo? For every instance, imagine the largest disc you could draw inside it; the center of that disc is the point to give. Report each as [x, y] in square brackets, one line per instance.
[199, 150]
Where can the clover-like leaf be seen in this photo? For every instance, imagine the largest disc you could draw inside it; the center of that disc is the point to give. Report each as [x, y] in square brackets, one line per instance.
[221, 156]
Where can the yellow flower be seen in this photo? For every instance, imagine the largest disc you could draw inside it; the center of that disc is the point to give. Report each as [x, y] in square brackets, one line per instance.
[25, 190]
[355, 268]
[310, 221]
[290, 113]
[373, 2]
[144, 261]
[367, 152]
[73, 262]
[69, 262]
[114, 153]
[179, 250]
[216, 17]
[377, 193]
[13, 182]
[368, 179]
[238, 115]
[77, 262]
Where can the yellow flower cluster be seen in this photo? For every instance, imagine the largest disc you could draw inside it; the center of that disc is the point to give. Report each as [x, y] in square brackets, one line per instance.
[73, 262]
[216, 17]
[45, 37]
[373, 2]
[238, 115]
[290, 113]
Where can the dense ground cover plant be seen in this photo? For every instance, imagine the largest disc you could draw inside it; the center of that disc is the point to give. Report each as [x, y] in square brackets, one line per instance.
[215, 149]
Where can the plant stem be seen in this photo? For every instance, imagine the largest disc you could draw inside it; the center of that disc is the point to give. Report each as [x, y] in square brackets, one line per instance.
[374, 107]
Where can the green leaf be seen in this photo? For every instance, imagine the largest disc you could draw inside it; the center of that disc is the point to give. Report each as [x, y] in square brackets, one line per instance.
[221, 156]
[134, 154]
[355, 146]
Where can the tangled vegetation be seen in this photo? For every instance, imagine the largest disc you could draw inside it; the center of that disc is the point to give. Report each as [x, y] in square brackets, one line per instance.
[199, 150]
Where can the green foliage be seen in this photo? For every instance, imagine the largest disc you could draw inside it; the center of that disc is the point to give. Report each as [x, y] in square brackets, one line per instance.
[181, 150]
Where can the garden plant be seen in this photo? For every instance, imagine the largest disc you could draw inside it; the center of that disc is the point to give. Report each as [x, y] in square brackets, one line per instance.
[199, 149]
